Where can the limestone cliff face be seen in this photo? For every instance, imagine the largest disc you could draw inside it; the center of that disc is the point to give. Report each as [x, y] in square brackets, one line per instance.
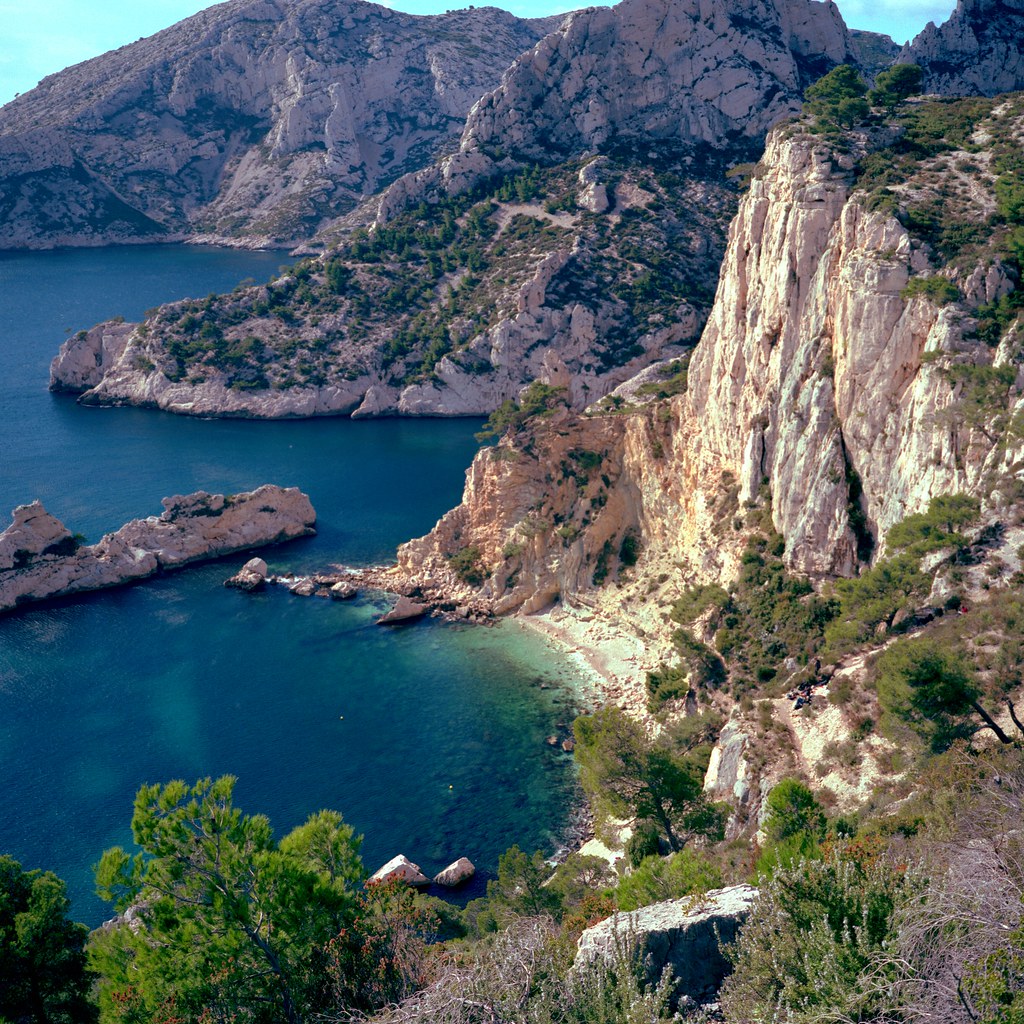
[40, 559]
[690, 71]
[978, 51]
[251, 122]
[818, 382]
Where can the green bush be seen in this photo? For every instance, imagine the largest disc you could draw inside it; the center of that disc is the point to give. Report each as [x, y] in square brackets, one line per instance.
[771, 615]
[928, 688]
[793, 827]
[895, 84]
[629, 549]
[643, 843]
[837, 99]
[874, 598]
[696, 601]
[466, 564]
[43, 974]
[1010, 196]
[510, 417]
[816, 946]
[924, 532]
[939, 290]
[657, 879]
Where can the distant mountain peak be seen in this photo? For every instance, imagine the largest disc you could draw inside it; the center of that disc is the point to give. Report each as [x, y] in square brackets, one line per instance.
[978, 51]
[254, 120]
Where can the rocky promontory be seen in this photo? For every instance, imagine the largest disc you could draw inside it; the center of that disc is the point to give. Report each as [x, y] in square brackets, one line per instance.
[40, 558]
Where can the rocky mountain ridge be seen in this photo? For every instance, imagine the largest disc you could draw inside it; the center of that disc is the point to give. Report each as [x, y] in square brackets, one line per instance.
[638, 73]
[979, 50]
[253, 122]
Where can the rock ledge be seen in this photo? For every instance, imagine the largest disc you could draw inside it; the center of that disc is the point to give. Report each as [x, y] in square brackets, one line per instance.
[686, 935]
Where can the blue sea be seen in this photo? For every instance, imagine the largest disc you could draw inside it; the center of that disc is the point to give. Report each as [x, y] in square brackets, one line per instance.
[429, 739]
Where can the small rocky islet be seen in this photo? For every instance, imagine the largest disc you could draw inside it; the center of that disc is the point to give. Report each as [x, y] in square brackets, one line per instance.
[41, 559]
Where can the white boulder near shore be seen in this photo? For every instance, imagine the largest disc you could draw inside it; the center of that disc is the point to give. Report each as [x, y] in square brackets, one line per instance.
[400, 869]
[687, 935]
[459, 871]
[41, 559]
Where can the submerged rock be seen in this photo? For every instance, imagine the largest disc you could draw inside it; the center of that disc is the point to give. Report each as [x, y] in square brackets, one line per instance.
[40, 559]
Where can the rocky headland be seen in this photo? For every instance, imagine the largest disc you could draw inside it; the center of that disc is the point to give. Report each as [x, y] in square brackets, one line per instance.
[41, 559]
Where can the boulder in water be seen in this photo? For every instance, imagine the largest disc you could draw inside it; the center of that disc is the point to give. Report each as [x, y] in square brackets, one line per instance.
[402, 869]
[456, 873]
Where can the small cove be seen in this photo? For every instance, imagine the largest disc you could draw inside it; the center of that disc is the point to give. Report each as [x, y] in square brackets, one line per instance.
[307, 702]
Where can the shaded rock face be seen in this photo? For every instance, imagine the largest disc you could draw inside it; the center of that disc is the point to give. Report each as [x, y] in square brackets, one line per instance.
[40, 559]
[690, 71]
[978, 51]
[686, 935]
[249, 122]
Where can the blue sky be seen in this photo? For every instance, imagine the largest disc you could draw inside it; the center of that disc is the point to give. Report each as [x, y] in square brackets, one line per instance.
[40, 37]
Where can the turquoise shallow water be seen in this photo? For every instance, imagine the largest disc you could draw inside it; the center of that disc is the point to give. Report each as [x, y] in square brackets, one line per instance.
[308, 702]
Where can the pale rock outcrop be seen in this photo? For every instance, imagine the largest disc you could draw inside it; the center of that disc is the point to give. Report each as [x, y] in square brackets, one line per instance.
[254, 122]
[405, 610]
[459, 871]
[85, 358]
[40, 559]
[728, 773]
[400, 869]
[686, 935]
[978, 51]
[593, 193]
[689, 71]
[252, 576]
[33, 532]
[817, 383]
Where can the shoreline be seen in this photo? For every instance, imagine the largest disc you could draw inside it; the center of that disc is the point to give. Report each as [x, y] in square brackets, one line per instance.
[614, 661]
